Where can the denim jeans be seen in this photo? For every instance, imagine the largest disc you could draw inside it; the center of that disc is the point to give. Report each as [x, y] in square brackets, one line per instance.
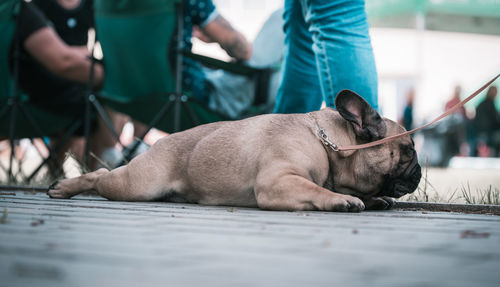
[327, 49]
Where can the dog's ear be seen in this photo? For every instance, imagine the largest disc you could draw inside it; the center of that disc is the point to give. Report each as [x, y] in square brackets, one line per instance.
[367, 123]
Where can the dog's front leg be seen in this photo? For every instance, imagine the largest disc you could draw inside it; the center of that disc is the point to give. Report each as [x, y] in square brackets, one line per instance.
[379, 203]
[293, 192]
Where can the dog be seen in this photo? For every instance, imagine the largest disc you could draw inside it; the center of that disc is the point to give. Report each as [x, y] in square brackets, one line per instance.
[273, 162]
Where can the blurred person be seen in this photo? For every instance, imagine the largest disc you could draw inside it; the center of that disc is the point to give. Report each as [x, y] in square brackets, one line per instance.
[234, 95]
[455, 99]
[462, 138]
[407, 120]
[456, 126]
[54, 62]
[327, 49]
[203, 21]
[487, 122]
[54, 59]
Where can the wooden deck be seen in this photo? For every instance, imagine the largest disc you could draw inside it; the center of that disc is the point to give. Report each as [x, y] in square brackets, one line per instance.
[89, 241]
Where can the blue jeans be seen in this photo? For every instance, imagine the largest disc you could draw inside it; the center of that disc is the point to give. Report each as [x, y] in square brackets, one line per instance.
[327, 49]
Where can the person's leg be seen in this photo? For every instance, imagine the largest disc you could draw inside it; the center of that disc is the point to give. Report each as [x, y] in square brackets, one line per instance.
[342, 46]
[102, 139]
[300, 88]
[75, 146]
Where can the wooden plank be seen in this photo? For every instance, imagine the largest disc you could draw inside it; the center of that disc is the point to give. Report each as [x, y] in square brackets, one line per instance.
[159, 207]
[90, 241]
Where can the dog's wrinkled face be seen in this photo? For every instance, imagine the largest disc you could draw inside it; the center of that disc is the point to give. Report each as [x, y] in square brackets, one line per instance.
[405, 174]
[390, 169]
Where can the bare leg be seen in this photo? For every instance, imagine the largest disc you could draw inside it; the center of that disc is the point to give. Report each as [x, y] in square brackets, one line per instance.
[74, 145]
[293, 192]
[152, 136]
[102, 138]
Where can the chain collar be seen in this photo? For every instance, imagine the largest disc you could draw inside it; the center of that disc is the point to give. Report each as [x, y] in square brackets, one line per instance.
[325, 140]
[324, 137]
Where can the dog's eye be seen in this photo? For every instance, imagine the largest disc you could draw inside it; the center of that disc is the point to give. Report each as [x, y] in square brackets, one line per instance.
[407, 152]
[410, 152]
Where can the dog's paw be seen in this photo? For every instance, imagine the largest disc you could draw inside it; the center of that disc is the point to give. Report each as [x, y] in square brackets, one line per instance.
[345, 203]
[58, 189]
[380, 203]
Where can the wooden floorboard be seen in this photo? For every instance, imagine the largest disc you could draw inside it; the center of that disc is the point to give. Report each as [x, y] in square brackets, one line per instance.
[89, 241]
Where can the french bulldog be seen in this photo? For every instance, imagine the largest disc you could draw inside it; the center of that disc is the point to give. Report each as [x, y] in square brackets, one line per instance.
[273, 161]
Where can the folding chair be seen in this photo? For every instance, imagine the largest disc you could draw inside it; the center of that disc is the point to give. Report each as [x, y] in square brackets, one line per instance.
[136, 37]
[18, 118]
[261, 79]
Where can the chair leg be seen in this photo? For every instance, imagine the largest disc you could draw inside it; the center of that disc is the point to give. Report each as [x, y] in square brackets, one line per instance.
[102, 113]
[69, 132]
[192, 116]
[4, 111]
[12, 126]
[178, 67]
[86, 131]
[10, 173]
[177, 113]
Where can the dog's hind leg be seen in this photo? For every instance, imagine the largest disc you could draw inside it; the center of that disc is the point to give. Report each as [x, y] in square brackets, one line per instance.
[137, 181]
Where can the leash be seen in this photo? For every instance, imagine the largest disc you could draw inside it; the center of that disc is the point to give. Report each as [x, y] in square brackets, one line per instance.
[326, 141]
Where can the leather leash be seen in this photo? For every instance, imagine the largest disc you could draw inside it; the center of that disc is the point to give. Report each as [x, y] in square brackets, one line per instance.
[334, 147]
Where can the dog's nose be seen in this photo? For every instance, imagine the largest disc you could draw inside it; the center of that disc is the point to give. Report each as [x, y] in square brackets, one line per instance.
[411, 169]
[404, 184]
[415, 176]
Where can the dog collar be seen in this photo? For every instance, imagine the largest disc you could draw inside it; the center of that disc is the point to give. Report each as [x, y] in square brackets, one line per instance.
[323, 137]
[326, 140]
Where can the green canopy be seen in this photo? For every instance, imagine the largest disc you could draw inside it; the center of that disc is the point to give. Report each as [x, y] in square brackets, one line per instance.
[469, 16]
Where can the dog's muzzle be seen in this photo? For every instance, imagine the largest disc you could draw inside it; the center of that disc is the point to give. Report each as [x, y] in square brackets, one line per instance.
[406, 183]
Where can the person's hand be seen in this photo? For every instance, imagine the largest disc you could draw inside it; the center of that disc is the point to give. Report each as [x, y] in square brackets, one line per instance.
[202, 36]
[233, 42]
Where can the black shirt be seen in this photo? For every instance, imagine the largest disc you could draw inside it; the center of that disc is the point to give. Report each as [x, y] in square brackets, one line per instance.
[71, 25]
[43, 87]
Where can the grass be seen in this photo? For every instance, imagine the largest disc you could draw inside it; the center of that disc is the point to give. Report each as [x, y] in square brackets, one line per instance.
[426, 192]
[489, 195]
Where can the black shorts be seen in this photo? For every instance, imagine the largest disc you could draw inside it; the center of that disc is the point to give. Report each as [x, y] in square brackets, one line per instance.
[70, 104]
